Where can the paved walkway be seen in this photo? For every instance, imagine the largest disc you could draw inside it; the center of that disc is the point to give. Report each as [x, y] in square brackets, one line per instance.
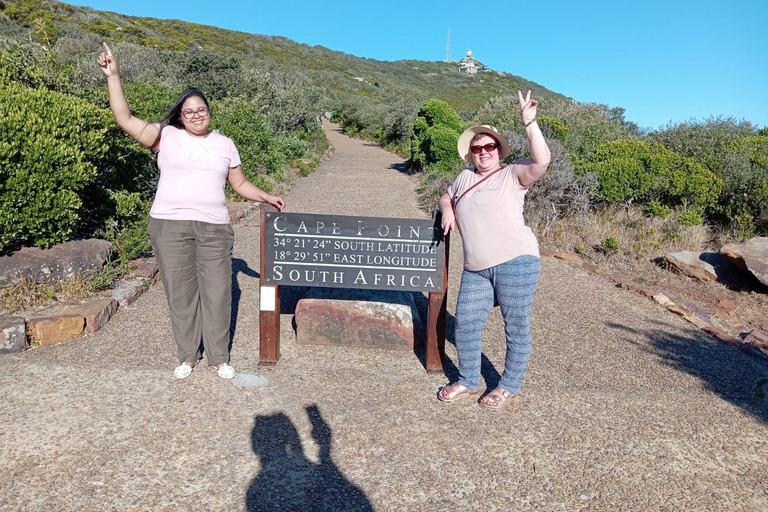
[625, 406]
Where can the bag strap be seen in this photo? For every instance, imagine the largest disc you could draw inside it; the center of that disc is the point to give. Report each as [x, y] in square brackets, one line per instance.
[455, 201]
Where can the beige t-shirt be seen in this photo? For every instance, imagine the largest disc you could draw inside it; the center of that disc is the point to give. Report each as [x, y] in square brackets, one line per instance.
[490, 218]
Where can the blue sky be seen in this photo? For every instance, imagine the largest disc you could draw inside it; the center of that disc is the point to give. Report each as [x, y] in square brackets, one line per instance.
[662, 61]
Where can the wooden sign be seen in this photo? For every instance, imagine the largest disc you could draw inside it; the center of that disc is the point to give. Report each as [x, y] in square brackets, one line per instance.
[340, 251]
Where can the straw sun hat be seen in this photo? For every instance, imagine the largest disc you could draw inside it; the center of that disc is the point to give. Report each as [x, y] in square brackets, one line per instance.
[468, 135]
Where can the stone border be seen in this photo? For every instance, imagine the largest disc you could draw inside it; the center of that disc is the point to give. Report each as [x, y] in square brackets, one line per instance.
[52, 326]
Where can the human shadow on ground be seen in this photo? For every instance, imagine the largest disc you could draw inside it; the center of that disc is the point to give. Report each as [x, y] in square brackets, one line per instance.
[239, 266]
[736, 377]
[288, 480]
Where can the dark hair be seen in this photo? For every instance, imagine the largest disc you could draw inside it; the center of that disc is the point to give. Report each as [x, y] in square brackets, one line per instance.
[173, 117]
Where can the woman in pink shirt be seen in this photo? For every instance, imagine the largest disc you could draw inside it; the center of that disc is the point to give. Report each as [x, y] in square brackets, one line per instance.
[189, 224]
[501, 253]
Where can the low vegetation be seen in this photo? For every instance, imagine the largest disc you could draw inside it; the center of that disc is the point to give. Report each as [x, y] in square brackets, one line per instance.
[613, 193]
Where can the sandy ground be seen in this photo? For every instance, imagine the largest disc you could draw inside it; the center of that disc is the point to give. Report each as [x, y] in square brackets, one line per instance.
[625, 406]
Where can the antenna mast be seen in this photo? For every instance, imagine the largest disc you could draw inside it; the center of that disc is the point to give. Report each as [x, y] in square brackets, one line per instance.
[448, 57]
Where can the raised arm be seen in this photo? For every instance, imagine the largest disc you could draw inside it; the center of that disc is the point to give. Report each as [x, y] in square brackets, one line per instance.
[142, 132]
[534, 167]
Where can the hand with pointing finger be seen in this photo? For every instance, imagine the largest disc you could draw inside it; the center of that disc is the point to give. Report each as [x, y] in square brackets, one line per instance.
[107, 62]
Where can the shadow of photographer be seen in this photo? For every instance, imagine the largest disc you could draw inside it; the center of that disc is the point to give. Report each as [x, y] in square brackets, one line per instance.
[288, 480]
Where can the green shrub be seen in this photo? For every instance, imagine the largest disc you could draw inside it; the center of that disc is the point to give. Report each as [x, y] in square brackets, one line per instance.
[437, 112]
[744, 200]
[702, 141]
[610, 245]
[635, 171]
[260, 150]
[553, 127]
[436, 132]
[49, 144]
[656, 209]
[690, 218]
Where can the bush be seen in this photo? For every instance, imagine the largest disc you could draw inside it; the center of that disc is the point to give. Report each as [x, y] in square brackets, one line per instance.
[635, 171]
[656, 209]
[744, 200]
[435, 136]
[553, 128]
[702, 141]
[48, 148]
[610, 245]
[690, 218]
[262, 156]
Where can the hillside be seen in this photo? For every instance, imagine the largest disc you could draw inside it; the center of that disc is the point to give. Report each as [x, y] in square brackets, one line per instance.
[335, 72]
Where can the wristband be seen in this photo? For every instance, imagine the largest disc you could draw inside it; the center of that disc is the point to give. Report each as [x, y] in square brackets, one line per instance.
[529, 123]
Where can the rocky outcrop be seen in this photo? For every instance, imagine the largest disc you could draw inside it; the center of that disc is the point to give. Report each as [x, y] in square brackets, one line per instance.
[694, 264]
[59, 263]
[358, 318]
[751, 255]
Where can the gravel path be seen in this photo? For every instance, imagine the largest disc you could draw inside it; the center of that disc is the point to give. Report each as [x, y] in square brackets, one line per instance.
[625, 406]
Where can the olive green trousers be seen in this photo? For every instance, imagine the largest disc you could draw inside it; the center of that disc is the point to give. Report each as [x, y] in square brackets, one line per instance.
[195, 261]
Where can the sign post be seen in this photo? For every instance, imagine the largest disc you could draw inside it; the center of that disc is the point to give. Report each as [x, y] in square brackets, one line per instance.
[338, 251]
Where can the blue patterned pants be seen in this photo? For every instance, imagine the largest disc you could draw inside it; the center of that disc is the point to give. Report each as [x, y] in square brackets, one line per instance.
[513, 284]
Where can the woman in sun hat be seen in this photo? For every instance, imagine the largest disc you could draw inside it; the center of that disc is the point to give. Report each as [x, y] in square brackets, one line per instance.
[189, 224]
[501, 253]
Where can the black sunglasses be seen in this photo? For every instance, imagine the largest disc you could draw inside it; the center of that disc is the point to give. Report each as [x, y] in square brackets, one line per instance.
[488, 148]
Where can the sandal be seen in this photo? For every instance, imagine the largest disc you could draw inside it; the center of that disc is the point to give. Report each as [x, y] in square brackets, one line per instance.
[497, 400]
[226, 371]
[453, 392]
[184, 370]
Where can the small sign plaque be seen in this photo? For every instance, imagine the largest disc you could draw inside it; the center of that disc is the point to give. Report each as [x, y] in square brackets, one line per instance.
[340, 251]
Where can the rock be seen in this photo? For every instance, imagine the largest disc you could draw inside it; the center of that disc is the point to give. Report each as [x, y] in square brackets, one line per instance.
[50, 330]
[663, 299]
[723, 336]
[752, 255]
[695, 320]
[358, 318]
[727, 305]
[757, 339]
[239, 211]
[145, 268]
[96, 313]
[638, 288]
[14, 334]
[126, 292]
[59, 263]
[569, 257]
[697, 311]
[693, 264]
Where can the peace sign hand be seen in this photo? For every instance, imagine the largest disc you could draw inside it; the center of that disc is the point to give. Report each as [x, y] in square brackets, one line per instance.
[527, 107]
[107, 62]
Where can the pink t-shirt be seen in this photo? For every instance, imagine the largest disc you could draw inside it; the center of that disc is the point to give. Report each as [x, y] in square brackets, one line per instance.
[193, 172]
[490, 219]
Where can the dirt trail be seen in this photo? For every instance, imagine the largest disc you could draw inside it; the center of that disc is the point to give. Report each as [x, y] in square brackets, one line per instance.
[625, 407]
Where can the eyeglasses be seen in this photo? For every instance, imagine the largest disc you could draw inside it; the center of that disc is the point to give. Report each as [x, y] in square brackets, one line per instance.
[488, 148]
[190, 114]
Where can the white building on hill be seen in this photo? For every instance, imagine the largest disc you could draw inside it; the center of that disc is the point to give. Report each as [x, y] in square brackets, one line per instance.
[471, 65]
